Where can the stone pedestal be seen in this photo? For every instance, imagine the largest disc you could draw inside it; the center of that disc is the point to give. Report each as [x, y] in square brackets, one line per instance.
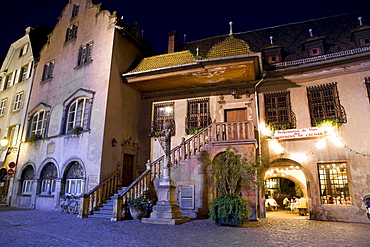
[166, 211]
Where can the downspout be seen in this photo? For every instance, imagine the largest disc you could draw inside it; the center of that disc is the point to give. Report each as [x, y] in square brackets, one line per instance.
[259, 197]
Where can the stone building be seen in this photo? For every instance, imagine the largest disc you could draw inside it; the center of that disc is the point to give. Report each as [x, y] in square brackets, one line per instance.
[16, 76]
[81, 118]
[294, 98]
[296, 95]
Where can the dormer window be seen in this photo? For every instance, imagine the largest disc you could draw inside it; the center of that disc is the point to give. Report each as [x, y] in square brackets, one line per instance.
[365, 41]
[315, 52]
[273, 54]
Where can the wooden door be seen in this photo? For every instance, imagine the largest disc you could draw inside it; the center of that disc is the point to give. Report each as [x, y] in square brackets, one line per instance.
[128, 170]
[235, 115]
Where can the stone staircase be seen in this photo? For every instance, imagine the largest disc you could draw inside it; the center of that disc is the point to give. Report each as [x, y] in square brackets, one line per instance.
[106, 209]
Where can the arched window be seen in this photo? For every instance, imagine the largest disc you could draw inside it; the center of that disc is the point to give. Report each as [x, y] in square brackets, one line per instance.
[78, 114]
[27, 179]
[39, 122]
[73, 178]
[48, 179]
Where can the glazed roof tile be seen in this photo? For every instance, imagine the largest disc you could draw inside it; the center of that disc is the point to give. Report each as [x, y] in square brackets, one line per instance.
[231, 46]
[165, 61]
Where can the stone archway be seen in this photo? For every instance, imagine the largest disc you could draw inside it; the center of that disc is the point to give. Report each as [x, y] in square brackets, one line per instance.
[283, 167]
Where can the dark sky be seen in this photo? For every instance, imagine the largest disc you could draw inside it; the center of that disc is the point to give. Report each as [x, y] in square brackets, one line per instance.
[197, 19]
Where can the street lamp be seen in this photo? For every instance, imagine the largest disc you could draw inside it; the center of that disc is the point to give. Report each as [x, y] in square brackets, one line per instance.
[4, 142]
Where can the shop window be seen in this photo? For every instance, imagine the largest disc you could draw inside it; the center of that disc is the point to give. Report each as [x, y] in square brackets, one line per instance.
[27, 179]
[278, 110]
[163, 112]
[334, 183]
[73, 179]
[324, 105]
[48, 179]
[198, 115]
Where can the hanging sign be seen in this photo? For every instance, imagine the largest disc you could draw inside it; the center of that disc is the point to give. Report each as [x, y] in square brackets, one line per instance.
[300, 133]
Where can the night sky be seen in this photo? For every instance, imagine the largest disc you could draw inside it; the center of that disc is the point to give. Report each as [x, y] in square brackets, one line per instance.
[197, 19]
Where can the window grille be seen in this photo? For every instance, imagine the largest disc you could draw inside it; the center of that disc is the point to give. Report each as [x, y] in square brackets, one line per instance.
[278, 110]
[323, 101]
[163, 112]
[334, 183]
[198, 115]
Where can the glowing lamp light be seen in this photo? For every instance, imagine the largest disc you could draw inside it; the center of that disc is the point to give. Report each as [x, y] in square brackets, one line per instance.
[299, 157]
[4, 142]
[320, 144]
[276, 146]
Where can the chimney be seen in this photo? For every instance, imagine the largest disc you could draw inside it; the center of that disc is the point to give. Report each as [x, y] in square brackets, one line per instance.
[172, 41]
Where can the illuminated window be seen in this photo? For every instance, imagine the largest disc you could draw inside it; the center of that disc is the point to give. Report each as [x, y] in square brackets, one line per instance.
[75, 10]
[84, 54]
[71, 32]
[48, 70]
[163, 112]
[315, 52]
[48, 178]
[323, 101]
[278, 110]
[198, 115]
[18, 101]
[78, 114]
[27, 179]
[334, 183]
[39, 122]
[3, 106]
[74, 176]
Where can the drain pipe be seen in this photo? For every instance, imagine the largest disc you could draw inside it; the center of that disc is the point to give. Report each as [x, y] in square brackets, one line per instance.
[259, 197]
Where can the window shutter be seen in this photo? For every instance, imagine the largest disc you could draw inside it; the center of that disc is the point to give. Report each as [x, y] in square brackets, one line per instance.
[187, 196]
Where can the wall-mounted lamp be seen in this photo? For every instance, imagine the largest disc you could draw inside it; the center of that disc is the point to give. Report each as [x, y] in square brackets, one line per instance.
[4, 142]
[233, 92]
[114, 142]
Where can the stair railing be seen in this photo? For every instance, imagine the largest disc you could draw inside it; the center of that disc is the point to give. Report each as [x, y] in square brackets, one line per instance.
[98, 195]
[216, 132]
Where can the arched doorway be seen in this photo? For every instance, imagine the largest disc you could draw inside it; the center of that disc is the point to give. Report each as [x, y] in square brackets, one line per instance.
[285, 178]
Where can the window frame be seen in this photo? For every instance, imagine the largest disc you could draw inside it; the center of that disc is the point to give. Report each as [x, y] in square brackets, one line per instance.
[324, 104]
[75, 9]
[281, 110]
[84, 54]
[48, 178]
[71, 32]
[27, 178]
[328, 175]
[23, 73]
[162, 116]
[198, 114]
[38, 126]
[3, 107]
[74, 176]
[48, 70]
[82, 119]
[18, 100]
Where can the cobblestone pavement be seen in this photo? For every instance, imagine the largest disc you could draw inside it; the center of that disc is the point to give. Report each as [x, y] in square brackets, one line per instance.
[44, 228]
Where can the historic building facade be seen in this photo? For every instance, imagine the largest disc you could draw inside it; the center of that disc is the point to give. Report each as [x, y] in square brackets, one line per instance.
[303, 90]
[16, 76]
[80, 114]
[294, 98]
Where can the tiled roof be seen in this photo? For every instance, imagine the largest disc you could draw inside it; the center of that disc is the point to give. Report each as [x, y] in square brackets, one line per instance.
[165, 61]
[337, 31]
[231, 46]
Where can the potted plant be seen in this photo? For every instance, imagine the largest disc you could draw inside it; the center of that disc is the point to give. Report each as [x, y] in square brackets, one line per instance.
[233, 173]
[141, 207]
[76, 130]
[34, 138]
